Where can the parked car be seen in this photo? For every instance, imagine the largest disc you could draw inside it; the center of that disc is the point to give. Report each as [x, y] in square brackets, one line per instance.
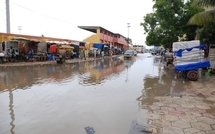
[128, 54]
[135, 53]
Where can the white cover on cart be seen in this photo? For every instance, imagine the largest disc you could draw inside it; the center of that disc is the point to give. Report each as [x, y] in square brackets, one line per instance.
[192, 56]
[185, 44]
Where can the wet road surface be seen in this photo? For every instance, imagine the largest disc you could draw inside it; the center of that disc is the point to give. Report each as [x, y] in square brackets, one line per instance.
[108, 96]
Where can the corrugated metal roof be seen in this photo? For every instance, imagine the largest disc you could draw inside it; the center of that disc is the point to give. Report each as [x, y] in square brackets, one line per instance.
[94, 28]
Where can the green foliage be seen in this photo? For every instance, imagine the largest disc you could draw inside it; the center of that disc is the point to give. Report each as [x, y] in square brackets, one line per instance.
[203, 3]
[207, 34]
[168, 21]
[129, 40]
[205, 19]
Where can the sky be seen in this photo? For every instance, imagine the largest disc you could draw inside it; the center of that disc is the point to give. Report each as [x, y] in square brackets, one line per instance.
[61, 18]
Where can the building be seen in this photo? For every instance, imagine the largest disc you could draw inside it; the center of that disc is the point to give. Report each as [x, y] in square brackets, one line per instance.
[139, 48]
[103, 35]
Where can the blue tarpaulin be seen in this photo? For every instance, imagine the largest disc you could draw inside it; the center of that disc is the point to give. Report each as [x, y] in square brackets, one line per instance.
[98, 45]
[193, 66]
[179, 52]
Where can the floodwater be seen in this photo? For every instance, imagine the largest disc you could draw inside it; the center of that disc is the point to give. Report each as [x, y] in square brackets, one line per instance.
[104, 96]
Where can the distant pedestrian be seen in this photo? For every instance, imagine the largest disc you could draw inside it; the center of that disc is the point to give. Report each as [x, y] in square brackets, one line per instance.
[86, 54]
[81, 54]
[110, 52]
[94, 52]
[99, 53]
[162, 53]
[30, 53]
[103, 54]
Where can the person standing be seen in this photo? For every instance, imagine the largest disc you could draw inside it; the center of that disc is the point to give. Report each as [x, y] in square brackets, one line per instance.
[94, 52]
[99, 53]
[110, 52]
[103, 54]
[82, 53]
[86, 54]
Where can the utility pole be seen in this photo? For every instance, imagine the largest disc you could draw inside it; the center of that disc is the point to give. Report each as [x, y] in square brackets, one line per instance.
[8, 16]
[128, 25]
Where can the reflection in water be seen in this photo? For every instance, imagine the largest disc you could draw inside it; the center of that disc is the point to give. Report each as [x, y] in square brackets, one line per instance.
[92, 72]
[11, 112]
[128, 64]
[163, 85]
[156, 59]
[99, 70]
[58, 98]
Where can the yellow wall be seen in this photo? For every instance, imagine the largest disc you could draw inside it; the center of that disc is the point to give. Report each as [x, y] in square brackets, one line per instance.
[95, 38]
[88, 46]
[98, 31]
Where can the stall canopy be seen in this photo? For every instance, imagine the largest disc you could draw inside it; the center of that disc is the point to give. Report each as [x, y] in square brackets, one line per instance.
[66, 47]
[20, 39]
[98, 45]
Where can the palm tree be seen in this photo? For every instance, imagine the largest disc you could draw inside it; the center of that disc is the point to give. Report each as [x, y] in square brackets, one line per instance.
[205, 17]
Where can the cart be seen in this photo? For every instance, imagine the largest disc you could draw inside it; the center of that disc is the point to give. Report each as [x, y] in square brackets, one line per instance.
[211, 57]
[189, 58]
[190, 70]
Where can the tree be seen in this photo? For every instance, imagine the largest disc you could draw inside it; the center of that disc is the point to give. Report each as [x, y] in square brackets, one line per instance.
[205, 19]
[129, 41]
[207, 34]
[168, 21]
[206, 16]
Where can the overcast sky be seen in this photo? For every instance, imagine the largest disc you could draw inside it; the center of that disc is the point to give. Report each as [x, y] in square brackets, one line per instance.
[60, 18]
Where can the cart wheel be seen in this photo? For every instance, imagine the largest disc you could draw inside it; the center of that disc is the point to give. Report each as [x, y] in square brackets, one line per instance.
[192, 75]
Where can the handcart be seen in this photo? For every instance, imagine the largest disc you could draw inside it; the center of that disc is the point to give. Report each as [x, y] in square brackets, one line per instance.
[190, 70]
[190, 59]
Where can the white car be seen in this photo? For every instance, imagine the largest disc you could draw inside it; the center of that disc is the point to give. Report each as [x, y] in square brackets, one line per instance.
[135, 53]
[128, 54]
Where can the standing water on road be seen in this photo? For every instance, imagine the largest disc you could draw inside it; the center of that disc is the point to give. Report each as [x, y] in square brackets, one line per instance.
[105, 96]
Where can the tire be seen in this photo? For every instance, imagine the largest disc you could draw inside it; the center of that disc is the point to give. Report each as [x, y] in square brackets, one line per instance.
[192, 75]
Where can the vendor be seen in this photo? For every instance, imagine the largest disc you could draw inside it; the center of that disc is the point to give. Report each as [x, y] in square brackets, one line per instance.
[30, 53]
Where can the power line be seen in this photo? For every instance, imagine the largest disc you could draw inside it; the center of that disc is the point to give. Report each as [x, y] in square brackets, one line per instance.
[47, 16]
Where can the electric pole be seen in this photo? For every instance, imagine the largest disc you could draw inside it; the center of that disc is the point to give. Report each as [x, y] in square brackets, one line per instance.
[8, 16]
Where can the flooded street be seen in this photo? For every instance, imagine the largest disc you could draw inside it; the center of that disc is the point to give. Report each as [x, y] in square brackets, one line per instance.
[105, 95]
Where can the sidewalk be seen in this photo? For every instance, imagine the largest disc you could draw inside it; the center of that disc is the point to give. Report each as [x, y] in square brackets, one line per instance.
[191, 113]
[50, 62]
[27, 63]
